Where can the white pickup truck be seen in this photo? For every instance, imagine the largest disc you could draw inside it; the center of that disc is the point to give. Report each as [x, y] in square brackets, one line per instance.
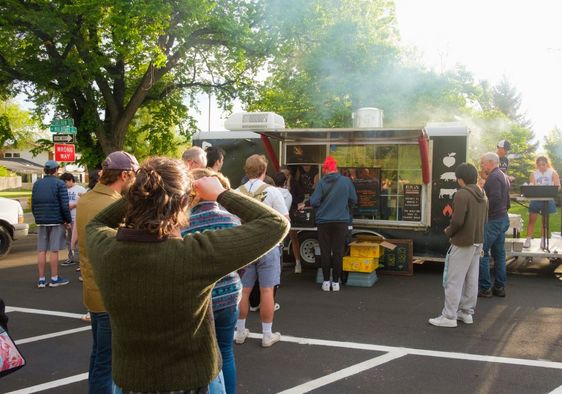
[12, 225]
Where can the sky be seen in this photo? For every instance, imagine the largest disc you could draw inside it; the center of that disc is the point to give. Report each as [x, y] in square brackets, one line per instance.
[519, 39]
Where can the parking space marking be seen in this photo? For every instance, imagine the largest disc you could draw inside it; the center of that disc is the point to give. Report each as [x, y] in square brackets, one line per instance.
[52, 335]
[344, 373]
[43, 312]
[53, 384]
[556, 391]
[420, 352]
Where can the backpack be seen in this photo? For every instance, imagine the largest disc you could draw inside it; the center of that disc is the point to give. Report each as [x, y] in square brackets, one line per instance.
[259, 194]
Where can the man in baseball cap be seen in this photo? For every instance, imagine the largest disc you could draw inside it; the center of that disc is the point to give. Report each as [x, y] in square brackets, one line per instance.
[51, 165]
[120, 160]
[117, 175]
[501, 149]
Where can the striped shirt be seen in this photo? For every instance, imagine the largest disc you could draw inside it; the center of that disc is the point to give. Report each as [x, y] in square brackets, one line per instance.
[209, 215]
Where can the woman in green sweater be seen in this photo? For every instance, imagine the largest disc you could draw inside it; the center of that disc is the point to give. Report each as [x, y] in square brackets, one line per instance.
[157, 286]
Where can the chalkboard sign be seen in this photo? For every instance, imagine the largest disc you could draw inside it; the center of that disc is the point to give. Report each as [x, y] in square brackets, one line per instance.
[412, 210]
[366, 181]
[399, 260]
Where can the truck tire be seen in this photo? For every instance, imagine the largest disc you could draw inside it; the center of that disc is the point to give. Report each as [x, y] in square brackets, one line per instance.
[308, 241]
[5, 241]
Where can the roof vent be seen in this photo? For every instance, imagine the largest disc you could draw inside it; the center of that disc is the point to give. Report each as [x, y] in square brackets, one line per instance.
[367, 117]
[258, 121]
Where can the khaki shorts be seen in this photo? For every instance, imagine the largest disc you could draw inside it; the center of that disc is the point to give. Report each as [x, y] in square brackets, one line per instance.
[51, 238]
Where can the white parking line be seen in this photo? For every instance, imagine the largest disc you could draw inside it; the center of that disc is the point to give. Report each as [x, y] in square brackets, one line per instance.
[52, 335]
[344, 373]
[43, 312]
[420, 352]
[53, 384]
[556, 391]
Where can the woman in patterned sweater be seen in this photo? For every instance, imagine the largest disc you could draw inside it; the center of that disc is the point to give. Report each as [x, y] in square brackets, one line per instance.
[206, 216]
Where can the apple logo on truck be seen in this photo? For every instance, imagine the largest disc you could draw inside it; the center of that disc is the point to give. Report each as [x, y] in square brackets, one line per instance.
[449, 160]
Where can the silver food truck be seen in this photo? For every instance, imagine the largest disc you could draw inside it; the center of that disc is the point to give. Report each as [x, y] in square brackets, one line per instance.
[404, 177]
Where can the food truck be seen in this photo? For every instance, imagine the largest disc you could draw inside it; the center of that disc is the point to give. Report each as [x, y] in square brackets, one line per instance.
[404, 177]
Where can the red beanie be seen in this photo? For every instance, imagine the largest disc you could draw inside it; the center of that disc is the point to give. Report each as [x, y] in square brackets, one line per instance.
[330, 164]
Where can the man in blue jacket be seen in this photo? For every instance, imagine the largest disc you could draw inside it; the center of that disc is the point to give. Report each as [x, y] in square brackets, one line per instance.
[332, 197]
[49, 205]
[497, 190]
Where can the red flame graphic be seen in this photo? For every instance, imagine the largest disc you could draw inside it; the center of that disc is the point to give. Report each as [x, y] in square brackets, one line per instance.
[448, 210]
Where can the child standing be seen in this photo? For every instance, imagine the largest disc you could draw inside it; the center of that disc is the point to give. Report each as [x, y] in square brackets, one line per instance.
[466, 233]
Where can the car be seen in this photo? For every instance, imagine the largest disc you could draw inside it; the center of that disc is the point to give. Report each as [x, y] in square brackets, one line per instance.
[12, 224]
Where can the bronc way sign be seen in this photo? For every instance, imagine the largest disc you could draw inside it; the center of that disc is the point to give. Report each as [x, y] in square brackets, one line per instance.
[65, 153]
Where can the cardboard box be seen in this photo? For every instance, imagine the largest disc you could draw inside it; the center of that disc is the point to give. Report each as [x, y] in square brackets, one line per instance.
[360, 264]
[365, 249]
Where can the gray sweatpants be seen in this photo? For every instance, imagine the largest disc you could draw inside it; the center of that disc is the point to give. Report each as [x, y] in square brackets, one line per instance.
[461, 280]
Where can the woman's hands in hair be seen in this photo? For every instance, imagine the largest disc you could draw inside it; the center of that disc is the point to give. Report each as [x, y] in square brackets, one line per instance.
[208, 188]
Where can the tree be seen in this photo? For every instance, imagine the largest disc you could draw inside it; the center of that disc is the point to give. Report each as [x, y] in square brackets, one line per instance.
[340, 55]
[17, 127]
[553, 148]
[99, 62]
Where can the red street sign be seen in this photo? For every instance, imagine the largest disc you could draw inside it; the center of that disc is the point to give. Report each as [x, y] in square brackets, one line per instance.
[65, 153]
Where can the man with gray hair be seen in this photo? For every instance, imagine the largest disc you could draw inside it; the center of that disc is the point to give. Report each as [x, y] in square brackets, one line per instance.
[497, 190]
[194, 157]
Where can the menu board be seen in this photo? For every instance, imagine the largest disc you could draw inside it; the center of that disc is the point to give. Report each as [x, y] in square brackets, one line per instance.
[366, 181]
[412, 210]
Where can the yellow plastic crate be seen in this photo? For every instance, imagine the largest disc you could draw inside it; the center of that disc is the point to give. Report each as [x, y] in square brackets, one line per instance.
[365, 249]
[360, 264]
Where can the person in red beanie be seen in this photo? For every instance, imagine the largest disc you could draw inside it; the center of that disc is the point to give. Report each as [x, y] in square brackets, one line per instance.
[332, 199]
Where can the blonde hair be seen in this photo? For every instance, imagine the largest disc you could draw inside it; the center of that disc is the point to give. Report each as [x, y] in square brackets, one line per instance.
[158, 198]
[544, 159]
[199, 173]
[255, 166]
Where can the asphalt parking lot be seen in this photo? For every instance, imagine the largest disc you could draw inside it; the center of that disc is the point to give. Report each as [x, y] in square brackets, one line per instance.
[361, 340]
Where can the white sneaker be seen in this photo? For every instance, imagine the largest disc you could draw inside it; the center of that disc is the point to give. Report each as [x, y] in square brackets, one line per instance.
[442, 321]
[298, 268]
[269, 340]
[466, 318]
[527, 243]
[326, 286]
[335, 286]
[240, 338]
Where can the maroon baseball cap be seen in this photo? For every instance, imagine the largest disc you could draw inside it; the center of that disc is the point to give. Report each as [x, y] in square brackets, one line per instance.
[120, 160]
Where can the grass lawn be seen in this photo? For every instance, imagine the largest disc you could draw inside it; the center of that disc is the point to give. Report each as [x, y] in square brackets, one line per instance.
[554, 220]
[15, 193]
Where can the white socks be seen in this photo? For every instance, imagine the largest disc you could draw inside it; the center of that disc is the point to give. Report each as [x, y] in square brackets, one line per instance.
[266, 328]
[240, 325]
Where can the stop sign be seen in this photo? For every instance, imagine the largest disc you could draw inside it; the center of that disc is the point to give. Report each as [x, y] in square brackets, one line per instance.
[65, 153]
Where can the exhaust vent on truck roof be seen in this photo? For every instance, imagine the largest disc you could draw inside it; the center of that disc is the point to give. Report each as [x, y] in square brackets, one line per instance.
[258, 121]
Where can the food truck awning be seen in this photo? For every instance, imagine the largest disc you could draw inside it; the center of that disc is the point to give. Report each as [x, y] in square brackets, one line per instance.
[343, 135]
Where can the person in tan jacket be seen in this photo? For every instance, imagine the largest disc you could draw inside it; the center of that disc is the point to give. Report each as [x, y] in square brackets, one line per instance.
[118, 173]
[466, 233]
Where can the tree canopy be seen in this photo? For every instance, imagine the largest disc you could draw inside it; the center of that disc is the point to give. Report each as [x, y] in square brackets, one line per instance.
[17, 127]
[100, 61]
[340, 55]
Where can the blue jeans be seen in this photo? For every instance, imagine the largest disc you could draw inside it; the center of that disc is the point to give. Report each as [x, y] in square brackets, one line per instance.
[99, 375]
[494, 245]
[225, 321]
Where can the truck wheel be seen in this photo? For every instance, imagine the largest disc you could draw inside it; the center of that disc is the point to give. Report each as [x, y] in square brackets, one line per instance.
[5, 241]
[308, 243]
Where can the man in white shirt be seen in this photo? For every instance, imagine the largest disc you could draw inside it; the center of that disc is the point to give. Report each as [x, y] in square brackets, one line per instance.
[74, 193]
[268, 268]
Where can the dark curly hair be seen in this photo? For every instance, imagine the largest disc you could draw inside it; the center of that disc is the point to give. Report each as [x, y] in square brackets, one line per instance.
[158, 199]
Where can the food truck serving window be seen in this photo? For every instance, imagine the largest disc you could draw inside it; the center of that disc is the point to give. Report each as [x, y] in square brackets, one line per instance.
[387, 178]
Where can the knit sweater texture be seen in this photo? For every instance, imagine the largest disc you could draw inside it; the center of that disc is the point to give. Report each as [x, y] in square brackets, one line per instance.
[208, 216]
[158, 294]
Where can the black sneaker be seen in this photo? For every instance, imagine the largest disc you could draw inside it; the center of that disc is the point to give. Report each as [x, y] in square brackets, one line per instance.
[67, 263]
[499, 291]
[485, 293]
